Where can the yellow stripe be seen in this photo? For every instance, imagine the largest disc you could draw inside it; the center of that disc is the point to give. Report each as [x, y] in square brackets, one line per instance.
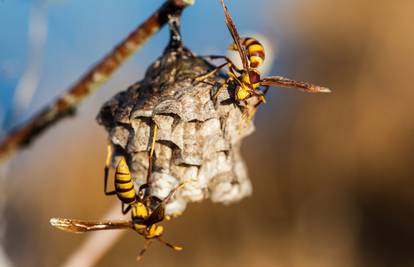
[122, 166]
[255, 60]
[155, 231]
[129, 194]
[248, 41]
[125, 186]
[255, 48]
[139, 210]
[123, 177]
[139, 226]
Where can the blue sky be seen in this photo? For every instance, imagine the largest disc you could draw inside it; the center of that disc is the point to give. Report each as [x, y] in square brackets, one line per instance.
[81, 31]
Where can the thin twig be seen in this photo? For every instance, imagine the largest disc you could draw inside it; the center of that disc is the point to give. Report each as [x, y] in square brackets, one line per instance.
[96, 244]
[96, 76]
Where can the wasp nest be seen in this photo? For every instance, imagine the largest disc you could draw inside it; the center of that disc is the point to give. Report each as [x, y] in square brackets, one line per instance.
[198, 136]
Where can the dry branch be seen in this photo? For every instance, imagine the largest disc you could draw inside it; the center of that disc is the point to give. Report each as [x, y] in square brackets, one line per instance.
[97, 75]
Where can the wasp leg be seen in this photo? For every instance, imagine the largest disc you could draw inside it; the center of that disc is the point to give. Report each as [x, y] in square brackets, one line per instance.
[211, 73]
[106, 171]
[228, 60]
[222, 87]
[265, 90]
[249, 112]
[151, 152]
[125, 210]
[176, 248]
[178, 187]
[261, 96]
[247, 117]
[144, 249]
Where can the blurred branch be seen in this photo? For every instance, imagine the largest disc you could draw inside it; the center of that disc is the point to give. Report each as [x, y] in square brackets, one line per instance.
[29, 81]
[97, 75]
[96, 244]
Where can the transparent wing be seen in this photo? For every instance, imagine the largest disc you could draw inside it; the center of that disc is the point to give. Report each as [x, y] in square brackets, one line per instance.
[79, 226]
[278, 81]
[236, 37]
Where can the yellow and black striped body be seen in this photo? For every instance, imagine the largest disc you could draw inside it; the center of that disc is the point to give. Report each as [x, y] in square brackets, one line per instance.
[255, 51]
[144, 219]
[124, 187]
[249, 80]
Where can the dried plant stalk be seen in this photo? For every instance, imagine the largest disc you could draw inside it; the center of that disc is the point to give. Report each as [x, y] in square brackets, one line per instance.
[198, 136]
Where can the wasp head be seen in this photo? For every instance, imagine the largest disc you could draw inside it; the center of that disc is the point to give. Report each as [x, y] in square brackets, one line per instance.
[142, 192]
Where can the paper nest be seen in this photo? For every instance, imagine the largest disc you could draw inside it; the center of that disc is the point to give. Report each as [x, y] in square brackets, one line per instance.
[198, 137]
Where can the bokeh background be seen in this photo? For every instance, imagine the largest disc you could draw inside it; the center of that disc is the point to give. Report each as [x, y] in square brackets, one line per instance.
[333, 175]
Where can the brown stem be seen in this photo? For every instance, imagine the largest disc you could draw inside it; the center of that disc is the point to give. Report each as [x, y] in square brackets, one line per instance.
[97, 75]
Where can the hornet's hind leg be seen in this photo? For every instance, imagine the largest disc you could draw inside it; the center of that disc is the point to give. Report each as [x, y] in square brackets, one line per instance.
[228, 63]
[125, 210]
[228, 60]
[249, 112]
[209, 74]
[106, 170]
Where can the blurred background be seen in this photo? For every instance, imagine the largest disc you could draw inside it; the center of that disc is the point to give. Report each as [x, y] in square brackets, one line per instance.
[332, 174]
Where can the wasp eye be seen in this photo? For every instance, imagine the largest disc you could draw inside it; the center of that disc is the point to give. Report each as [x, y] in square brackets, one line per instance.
[142, 191]
[141, 194]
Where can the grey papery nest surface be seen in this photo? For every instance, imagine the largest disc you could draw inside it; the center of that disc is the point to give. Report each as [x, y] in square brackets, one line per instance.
[198, 137]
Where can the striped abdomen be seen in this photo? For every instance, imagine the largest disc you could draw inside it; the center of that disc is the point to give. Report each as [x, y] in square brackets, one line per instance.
[124, 186]
[255, 51]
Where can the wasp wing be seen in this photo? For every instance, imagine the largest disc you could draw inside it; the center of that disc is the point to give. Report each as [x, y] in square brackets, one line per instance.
[157, 215]
[278, 81]
[79, 226]
[236, 37]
